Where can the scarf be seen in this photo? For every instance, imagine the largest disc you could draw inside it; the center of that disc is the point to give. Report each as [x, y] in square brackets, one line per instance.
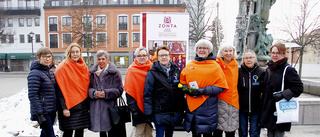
[73, 80]
[100, 71]
[135, 79]
[273, 65]
[231, 72]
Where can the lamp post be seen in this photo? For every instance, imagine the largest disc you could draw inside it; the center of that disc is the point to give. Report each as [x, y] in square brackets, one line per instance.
[31, 34]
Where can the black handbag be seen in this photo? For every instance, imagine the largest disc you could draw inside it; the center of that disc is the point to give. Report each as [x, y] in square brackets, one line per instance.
[119, 113]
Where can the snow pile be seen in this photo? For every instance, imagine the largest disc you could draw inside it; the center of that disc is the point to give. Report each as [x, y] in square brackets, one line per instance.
[15, 117]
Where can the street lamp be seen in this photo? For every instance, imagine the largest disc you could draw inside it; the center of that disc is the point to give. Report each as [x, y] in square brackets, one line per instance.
[31, 34]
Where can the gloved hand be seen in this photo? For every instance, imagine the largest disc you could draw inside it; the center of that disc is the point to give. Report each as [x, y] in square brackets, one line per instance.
[135, 115]
[277, 96]
[42, 121]
[196, 92]
[149, 119]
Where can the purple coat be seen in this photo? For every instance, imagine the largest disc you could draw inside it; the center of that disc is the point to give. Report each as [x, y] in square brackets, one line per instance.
[110, 81]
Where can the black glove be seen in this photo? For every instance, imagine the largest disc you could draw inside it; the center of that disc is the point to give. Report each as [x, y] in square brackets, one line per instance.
[277, 96]
[42, 121]
[196, 92]
[149, 118]
[135, 115]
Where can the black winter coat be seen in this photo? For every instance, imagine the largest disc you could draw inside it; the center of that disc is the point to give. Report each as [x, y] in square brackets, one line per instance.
[162, 97]
[132, 104]
[250, 88]
[293, 87]
[41, 91]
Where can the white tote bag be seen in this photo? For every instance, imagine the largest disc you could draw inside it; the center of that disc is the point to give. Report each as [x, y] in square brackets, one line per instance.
[287, 111]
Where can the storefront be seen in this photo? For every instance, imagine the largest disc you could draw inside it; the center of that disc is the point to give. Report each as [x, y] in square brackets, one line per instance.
[20, 61]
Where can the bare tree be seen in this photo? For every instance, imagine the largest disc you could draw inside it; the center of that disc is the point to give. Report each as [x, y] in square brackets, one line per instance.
[301, 31]
[217, 34]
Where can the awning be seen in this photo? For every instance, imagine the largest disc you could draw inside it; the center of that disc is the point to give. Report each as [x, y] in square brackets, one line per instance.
[3, 55]
[21, 56]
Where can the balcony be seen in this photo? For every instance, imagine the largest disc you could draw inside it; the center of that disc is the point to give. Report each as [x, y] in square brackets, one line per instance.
[22, 11]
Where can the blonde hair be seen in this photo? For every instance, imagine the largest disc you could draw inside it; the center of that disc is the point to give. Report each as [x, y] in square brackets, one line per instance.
[68, 50]
[226, 46]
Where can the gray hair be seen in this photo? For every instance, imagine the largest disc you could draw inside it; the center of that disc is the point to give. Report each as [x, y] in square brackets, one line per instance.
[249, 51]
[226, 46]
[204, 42]
[139, 49]
[102, 53]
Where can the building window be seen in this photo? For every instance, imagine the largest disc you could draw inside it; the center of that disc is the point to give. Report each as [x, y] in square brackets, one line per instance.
[87, 23]
[29, 22]
[55, 3]
[67, 2]
[89, 39]
[36, 22]
[173, 1]
[20, 4]
[101, 37]
[66, 21]
[53, 39]
[101, 20]
[29, 4]
[102, 2]
[36, 4]
[66, 38]
[21, 22]
[10, 22]
[123, 1]
[21, 38]
[136, 1]
[123, 22]
[123, 40]
[38, 40]
[2, 23]
[53, 23]
[136, 20]
[159, 2]
[3, 39]
[9, 4]
[11, 39]
[135, 37]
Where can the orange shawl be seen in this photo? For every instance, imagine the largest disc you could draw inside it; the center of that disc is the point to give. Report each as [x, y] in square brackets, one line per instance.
[135, 79]
[205, 73]
[231, 71]
[73, 80]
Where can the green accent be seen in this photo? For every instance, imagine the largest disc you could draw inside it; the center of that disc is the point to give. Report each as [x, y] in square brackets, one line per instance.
[3, 55]
[21, 56]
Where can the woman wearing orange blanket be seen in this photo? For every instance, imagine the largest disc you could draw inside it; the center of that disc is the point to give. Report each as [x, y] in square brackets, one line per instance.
[206, 77]
[72, 76]
[228, 100]
[134, 85]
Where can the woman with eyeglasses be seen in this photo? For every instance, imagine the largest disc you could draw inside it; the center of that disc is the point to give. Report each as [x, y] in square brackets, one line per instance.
[73, 80]
[202, 80]
[164, 102]
[272, 93]
[249, 89]
[228, 100]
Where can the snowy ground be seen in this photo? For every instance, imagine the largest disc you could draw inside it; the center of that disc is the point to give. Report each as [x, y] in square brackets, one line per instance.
[15, 117]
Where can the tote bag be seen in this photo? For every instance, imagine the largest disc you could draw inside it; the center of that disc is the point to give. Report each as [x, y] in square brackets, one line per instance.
[287, 111]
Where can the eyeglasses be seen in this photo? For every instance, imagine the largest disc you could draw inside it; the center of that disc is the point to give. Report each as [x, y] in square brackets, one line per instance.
[141, 56]
[275, 53]
[46, 57]
[247, 58]
[202, 48]
[164, 55]
[75, 52]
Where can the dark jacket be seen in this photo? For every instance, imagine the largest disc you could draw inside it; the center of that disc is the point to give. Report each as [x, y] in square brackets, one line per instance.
[41, 91]
[110, 82]
[250, 88]
[162, 97]
[204, 119]
[132, 104]
[293, 87]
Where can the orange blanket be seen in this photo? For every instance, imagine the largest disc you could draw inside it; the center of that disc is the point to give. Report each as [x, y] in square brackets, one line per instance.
[135, 79]
[205, 73]
[231, 71]
[73, 80]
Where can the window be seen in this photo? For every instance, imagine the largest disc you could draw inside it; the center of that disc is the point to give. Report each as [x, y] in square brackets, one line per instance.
[123, 40]
[101, 20]
[66, 38]
[29, 22]
[21, 38]
[135, 37]
[53, 23]
[10, 22]
[123, 1]
[159, 1]
[87, 23]
[173, 1]
[89, 39]
[21, 22]
[66, 21]
[36, 4]
[123, 22]
[101, 37]
[36, 22]
[2, 4]
[9, 4]
[102, 2]
[67, 2]
[136, 1]
[2, 23]
[55, 3]
[20, 4]
[11, 39]
[37, 38]
[3, 39]
[29, 4]
[136, 20]
[53, 39]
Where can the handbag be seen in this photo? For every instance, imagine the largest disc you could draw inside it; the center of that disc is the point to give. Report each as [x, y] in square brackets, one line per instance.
[287, 111]
[119, 113]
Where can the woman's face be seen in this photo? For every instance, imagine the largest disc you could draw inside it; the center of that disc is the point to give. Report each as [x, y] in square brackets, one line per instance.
[202, 51]
[249, 59]
[276, 55]
[163, 57]
[142, 57]
[75, 53]
[102, 61]
[227, 54]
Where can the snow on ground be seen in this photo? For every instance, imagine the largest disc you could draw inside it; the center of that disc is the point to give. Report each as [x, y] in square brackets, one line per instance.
[15, 117]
